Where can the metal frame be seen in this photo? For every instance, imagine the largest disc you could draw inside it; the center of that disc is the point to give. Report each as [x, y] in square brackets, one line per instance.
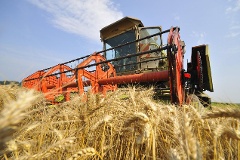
[63, 79]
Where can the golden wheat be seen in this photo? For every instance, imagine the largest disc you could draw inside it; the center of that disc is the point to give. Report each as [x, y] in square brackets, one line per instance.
[84, 152]
[126, 124]
[223, 112]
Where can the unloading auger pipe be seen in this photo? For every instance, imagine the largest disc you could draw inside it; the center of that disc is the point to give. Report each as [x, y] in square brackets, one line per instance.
[161, 76]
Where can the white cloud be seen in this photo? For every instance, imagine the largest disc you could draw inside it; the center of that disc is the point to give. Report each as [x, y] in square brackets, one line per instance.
[233, 14]
[82, 17]
[234, 7]
[176, 18]
[233, 34]
[199, 36]
[235, 27]
[233, 30]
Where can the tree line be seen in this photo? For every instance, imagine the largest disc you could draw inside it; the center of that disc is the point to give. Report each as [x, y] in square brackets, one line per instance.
[10, 82]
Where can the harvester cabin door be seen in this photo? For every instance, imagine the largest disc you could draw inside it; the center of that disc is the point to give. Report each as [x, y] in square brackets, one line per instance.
[151, 40]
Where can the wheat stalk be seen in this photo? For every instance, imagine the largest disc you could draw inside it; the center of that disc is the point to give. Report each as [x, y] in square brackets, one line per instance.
[224, 130]
[140, 128]
[53, 149]
[106, 119]
[85, 152]
[223, 112]
[13, 113]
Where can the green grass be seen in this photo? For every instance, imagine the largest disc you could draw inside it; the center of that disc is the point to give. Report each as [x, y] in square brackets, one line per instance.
[221, 104]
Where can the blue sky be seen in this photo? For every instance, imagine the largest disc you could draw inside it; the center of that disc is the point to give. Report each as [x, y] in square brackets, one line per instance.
[36, 34]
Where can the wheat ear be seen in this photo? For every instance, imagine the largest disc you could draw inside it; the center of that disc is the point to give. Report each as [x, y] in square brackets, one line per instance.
[85, 152]
[60, 145]
[224, 130]
[13, 113]
[226, 112]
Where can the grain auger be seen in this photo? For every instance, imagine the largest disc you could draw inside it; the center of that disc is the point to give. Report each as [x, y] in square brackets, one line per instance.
[132, 54]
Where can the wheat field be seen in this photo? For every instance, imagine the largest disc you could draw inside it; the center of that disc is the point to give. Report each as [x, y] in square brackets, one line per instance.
[123, 125]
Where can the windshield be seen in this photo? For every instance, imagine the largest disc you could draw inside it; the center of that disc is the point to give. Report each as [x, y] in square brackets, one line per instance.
[122, 65]
[152, 42]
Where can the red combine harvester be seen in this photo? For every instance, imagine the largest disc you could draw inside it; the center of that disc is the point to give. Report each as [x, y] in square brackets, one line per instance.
[133, 54]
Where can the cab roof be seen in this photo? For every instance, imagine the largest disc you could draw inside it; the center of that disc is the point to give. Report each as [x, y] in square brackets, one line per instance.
[119, 27]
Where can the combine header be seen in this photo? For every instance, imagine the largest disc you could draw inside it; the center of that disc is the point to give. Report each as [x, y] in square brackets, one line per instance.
[133, 54]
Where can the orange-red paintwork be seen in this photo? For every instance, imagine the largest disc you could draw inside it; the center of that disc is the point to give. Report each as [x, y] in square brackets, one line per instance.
[55, 81]
[53, 85]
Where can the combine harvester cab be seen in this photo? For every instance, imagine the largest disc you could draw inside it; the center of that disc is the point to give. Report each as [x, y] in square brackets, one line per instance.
[132, 54]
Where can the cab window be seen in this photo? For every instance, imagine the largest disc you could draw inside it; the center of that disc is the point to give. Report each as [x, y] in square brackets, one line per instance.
[122, 65]
[152, 42]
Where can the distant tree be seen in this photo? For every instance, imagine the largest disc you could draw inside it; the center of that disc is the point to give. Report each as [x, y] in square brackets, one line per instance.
[9, 82]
